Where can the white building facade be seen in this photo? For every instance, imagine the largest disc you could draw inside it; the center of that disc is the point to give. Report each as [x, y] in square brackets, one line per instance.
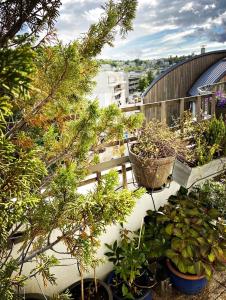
[111, 87]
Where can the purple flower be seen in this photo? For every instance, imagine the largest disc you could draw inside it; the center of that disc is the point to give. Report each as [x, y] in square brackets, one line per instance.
[221, 102]
[218, 94]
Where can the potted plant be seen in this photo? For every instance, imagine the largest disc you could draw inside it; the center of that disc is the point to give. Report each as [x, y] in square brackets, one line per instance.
[92, 289]
[153, 155]
[205, 156]
[195, 242]
[131, 278]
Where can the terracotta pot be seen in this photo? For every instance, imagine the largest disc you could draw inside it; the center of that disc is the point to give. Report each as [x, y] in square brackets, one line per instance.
[151, 173]
[187, 284]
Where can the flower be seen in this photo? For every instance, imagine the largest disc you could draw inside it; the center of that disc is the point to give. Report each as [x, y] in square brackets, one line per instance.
[221, 100]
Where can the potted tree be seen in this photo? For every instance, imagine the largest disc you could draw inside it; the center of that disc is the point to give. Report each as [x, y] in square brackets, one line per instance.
[195, 241]
[205, 156]
[153, 155]
[131, 278]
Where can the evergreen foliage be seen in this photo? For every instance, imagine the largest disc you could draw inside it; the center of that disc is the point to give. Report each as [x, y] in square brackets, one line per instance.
[50, 134]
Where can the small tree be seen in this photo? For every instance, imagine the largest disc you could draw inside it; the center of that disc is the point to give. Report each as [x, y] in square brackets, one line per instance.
[50, 135]
[145, 81]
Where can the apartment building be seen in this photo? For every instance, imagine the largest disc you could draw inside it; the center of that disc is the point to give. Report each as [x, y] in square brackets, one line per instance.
[111, 87]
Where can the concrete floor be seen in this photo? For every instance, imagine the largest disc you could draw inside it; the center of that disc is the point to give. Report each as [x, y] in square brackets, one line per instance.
[215, 290]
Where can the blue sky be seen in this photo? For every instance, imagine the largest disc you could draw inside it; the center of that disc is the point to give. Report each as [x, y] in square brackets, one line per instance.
[161, 27]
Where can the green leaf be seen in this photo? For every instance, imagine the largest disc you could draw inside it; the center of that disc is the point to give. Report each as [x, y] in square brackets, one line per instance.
[198, 267]
[177, 232]
[108, 254]
[176, 244]
[211, 257]
[191, 269]
[171, 254]
[189, 251]
[169, 229]
[207, 269]
[201, 240]
[182, 267]
[213, 213]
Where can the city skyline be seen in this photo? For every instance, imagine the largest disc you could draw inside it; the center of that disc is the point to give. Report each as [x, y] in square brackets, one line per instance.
[160, 29]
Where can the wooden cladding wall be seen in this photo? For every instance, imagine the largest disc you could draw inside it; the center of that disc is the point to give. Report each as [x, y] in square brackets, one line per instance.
[223, 79]
[177, 82]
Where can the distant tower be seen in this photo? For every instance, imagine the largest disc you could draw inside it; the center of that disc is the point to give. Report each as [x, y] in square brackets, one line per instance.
[203, 49]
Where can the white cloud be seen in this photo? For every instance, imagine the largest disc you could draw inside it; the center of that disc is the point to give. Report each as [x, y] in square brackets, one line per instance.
[93, 15]
[178, 36]
[157, 23]
[187, 7]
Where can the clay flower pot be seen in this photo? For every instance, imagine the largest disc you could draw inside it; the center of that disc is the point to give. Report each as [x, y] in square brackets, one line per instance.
[151, 173]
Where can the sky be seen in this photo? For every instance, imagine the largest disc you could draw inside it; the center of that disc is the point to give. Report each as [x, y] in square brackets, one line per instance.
[161, 27]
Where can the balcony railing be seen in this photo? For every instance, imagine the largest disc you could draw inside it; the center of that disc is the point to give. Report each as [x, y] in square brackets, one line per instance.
[203, 108]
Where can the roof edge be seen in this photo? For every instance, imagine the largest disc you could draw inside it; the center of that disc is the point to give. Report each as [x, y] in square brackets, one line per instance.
[176, 66]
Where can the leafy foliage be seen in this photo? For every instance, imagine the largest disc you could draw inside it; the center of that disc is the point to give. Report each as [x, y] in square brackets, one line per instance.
[208, 139]
[192, 236]
[212, 194]
[130, 262]
[33, 17]
[145, 81]
[157, 140]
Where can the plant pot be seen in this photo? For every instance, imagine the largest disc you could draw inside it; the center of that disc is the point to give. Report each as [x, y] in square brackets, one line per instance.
[187, 284]
[146, 295]
[104, 292]
[32, 296]
[187, 176]
[151, 173]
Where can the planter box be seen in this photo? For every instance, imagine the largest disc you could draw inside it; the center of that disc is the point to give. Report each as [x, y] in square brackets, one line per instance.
[187, 177]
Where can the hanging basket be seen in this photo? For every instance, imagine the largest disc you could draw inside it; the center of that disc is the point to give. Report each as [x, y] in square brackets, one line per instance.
[151, 173]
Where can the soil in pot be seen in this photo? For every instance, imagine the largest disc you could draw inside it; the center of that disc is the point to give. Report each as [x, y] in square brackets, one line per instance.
[103, 291]
[186, 283]
[142, 290]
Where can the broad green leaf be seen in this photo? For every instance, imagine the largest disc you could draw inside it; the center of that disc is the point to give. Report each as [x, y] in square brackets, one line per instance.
[169, 229]
[211, 257]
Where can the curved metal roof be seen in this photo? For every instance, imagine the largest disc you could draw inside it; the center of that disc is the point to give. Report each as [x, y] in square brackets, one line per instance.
[210, 76]
[176, 66]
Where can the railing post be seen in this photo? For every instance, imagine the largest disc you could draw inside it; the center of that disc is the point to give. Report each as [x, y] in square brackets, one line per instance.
[143, 111]
[198, 105]
[124, 177]
[163, 112]
[181, 114]
[213, 104]
[98, 176]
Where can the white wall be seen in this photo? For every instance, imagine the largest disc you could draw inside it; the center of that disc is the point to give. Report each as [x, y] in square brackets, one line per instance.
[66, 275]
